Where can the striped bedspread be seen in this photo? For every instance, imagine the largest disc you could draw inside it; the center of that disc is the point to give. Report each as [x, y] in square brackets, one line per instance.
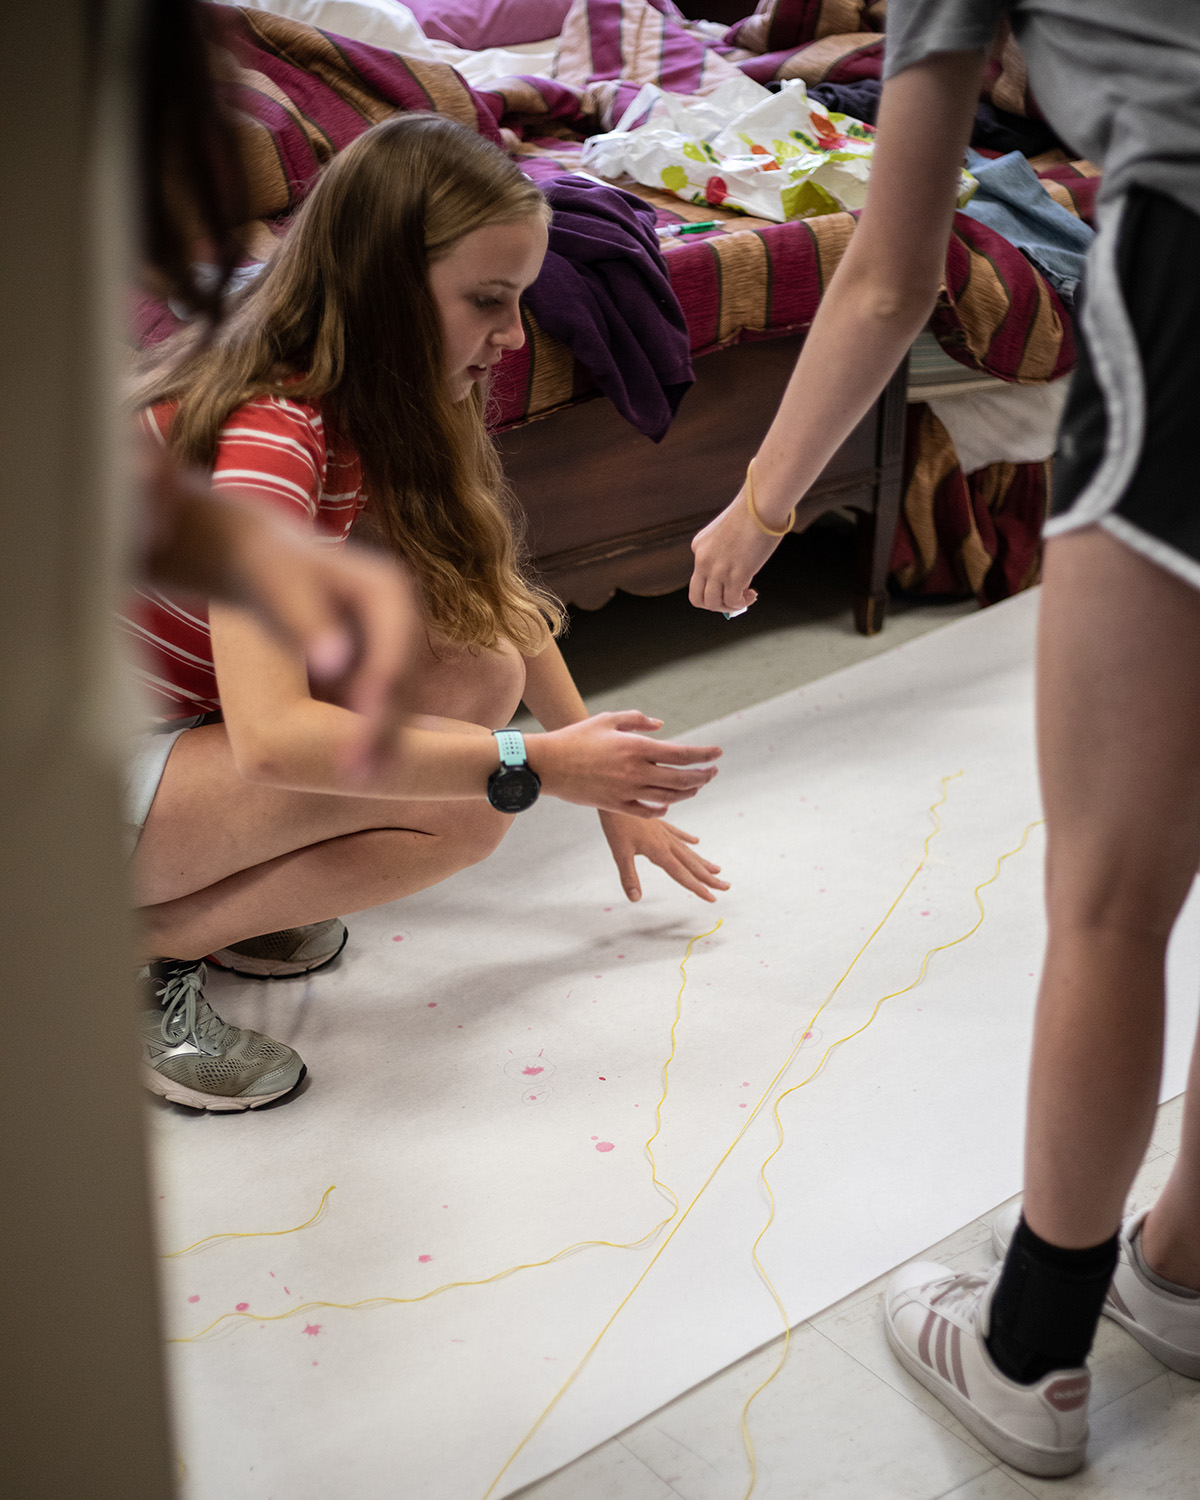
[301, 94]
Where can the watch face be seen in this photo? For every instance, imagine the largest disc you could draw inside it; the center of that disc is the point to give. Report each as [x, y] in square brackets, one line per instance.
[512, 789]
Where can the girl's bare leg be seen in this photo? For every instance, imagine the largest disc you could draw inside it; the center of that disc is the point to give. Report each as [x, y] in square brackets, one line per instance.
[221, 859]
[1118, 730]
[1171, 1234]
[339, 875]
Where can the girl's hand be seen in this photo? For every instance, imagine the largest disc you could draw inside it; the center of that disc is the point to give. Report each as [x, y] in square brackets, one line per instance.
[608, 762]
[663, 845]
[729, 552]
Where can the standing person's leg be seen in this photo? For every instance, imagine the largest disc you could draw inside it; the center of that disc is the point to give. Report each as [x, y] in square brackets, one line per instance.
[1171, 1233]
[1119, 720]
[1119, 726]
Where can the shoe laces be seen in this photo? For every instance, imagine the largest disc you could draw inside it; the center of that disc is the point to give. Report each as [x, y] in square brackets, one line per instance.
[958, 1290]
[187, 1016]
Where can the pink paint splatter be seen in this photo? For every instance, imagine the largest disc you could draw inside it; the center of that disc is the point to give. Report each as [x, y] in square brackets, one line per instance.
[741, 1106]
[595, 1138]
[242, 1306]
[605, 1146]
[315, 1363]
[424, 1259]
[287, 1292]
[271, 1274]
[193, 1299]
[620, 955]
[399, 938]
[601, 1077]
[432, 1005]
[312, 1329]
[608, 908]
[532, 1072]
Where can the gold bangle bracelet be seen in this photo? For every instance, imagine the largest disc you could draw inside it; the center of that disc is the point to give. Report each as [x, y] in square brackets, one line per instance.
[754, 515]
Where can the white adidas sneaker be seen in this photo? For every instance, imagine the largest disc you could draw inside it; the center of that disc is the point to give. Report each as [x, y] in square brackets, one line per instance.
[1165, 1323]
[936, 1323]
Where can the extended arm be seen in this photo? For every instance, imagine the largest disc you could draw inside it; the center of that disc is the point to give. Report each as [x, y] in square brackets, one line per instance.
[281, 735]
[879, 299]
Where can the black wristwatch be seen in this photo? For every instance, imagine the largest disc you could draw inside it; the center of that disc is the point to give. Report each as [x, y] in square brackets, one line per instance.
[514, 785]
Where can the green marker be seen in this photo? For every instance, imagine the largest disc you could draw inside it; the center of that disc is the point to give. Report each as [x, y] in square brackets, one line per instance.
[673, 229]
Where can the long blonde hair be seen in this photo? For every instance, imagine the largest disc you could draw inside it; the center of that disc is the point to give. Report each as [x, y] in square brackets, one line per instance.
[343, 317]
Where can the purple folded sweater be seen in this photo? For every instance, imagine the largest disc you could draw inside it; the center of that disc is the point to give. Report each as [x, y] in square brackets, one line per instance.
[604, 292]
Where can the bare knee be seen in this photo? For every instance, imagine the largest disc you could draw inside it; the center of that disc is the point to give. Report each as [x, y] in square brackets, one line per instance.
[466, 835]
[479, 833]
[1116, 893]
[478, 686]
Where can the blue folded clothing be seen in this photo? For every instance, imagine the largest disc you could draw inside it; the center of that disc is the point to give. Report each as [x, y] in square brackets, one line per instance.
[1012, 201]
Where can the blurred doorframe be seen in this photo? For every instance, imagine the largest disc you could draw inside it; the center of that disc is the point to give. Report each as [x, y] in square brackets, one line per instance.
[84, 1410]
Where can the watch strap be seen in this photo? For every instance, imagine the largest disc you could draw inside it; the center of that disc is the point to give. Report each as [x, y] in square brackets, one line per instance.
[511, 744]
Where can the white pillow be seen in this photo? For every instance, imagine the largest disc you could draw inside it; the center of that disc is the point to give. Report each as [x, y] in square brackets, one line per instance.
[378, 23]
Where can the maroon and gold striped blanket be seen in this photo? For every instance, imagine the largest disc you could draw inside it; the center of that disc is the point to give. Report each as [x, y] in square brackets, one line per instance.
[301, 94]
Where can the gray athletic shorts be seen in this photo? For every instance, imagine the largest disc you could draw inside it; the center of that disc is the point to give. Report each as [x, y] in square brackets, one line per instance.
[144, 770]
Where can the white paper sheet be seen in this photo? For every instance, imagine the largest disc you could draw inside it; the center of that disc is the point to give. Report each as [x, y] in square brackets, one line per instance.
[455, 1158]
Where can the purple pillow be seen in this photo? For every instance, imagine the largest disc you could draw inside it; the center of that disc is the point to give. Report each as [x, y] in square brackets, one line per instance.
[476, 24]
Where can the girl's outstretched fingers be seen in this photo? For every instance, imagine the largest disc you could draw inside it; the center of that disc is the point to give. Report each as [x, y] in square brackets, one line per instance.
[665, 846]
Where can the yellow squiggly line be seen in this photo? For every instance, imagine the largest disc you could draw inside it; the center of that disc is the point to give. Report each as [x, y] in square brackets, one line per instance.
[747, 1440]
[448, 1286]
[762, 1099]
[253, 1234]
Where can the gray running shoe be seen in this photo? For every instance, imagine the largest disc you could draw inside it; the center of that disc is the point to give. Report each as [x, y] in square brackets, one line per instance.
[280, 955]
[190, 1056]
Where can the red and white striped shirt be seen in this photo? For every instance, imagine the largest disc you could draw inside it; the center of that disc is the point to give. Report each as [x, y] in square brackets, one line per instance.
[277, 451]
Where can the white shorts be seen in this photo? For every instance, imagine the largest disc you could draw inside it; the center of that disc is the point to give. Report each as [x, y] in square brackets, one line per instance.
[144, 769]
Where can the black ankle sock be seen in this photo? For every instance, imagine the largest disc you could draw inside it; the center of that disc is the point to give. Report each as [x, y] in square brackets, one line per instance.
[1047, 1305]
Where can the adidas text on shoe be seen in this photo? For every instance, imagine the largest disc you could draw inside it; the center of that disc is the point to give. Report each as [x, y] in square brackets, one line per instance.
[936, 1323]
[190, 1056]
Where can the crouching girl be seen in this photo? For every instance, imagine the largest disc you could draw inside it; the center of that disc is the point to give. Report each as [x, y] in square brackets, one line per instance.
[350, 378]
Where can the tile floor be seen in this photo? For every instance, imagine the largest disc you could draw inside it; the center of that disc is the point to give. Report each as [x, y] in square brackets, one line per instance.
[843, 1421]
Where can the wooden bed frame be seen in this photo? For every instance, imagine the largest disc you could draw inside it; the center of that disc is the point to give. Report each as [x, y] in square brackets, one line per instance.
[608, 509]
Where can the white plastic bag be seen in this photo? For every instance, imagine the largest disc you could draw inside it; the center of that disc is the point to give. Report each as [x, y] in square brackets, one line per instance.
[776, 156]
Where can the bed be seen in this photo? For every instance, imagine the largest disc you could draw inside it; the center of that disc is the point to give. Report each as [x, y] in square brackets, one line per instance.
[604, 506]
